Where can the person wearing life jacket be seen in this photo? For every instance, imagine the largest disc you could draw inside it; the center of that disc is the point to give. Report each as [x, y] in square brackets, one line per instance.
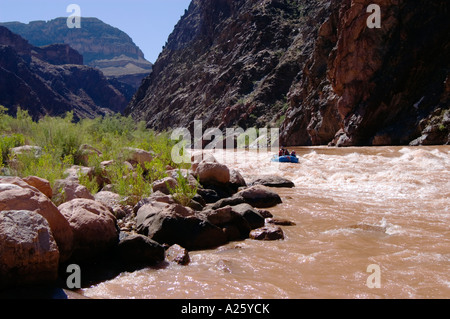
[294, 153]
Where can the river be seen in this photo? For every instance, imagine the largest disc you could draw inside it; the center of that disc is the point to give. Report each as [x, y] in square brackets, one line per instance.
[399, 197]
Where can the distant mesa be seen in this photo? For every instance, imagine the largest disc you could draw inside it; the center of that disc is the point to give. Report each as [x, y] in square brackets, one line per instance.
[52, 80]
[101, 45]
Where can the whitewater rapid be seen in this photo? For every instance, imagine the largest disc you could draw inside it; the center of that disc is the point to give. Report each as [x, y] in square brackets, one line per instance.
[353, 207]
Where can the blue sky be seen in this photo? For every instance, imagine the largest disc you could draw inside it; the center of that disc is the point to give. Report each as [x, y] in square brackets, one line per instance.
[147, 22]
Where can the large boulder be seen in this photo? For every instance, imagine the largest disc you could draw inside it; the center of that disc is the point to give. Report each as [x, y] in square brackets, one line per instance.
[271, 181]
[165, 185]
[41, 184]
[94, 227]
[229, 201]
[138, 156]
[251, 215]
[31, 150]
[232, 223]
[15, 194]
[64, 190]
[87, 151]
[212, 173]
[175, 224]
[209, 195]
[29, 253]
[236, 179]
[201, 157]
[260, 196]
[115, 203]
[75, 171]
[134, 249]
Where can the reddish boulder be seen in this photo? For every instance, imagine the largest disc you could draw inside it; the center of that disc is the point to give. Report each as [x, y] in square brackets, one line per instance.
[94, 227]
[270, 232]
[212, 173]
[15, 194]
[175, 224]
[29, 253]
[41, 184]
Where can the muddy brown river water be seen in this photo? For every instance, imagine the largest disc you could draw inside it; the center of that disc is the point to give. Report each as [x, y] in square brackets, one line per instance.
[399, 197]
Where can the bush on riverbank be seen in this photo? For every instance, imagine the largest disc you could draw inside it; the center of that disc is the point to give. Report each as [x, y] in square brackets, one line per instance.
[62, 143]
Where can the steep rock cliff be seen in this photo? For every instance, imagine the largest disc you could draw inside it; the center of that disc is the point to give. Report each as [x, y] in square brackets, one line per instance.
[314, 67]
[228, 63]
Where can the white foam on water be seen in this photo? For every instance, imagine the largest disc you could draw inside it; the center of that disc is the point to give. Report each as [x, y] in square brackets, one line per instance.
[401, 191]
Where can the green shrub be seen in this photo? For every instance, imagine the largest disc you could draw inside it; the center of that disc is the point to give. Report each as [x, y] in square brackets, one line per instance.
[22, 123]
[183, 192]
[6, 143]
[47, 165]
[60, 139]
[61, 134]
[130, 184]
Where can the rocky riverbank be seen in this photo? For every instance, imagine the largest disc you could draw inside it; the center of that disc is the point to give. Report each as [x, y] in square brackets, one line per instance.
[105, 236]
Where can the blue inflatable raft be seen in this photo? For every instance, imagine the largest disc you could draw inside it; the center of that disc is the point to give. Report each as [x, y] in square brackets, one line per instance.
[285, 159]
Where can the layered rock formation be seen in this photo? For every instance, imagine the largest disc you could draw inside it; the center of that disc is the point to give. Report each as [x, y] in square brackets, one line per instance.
[51, 80]
[102, 46]
[313, 67]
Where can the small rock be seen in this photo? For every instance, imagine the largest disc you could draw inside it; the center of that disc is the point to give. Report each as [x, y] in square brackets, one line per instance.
[178, 254]
[209, 195]
[85, 152]
[280, 222]
[270, 232]
[265, 213]
[26, 149]
[199, 157]
[195, 205]
[107, 198]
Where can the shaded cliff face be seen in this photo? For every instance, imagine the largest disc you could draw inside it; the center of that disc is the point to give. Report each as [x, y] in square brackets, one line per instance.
[102, 46]
[313, 67]
[228, 63]
[49, 81]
